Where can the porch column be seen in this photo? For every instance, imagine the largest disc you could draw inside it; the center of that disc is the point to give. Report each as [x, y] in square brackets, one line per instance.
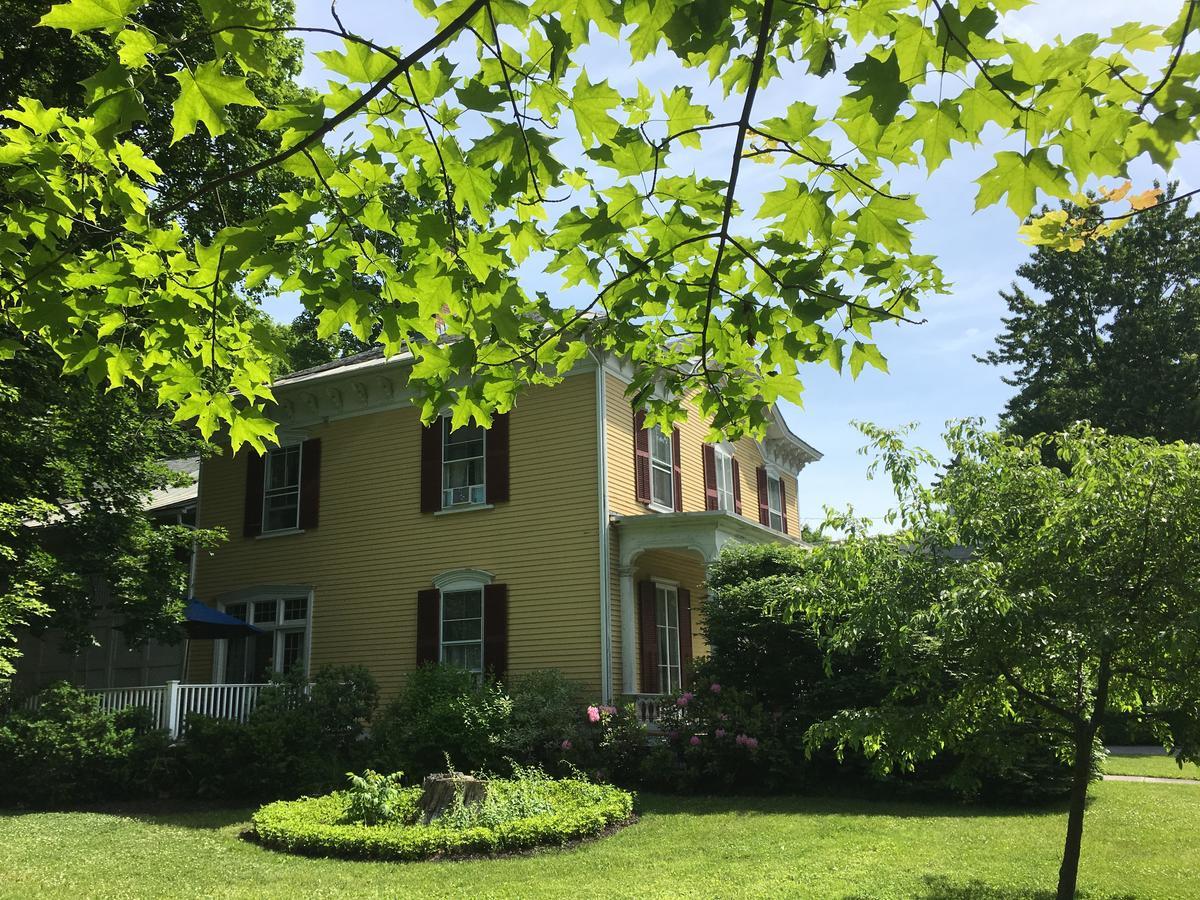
[628, 632]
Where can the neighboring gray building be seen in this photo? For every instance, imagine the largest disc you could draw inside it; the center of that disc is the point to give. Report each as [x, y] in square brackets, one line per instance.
[110, 662]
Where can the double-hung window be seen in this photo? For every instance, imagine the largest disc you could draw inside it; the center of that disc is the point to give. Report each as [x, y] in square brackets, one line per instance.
[723, 462]
[280, 646]
[281, 489]
[662, 469]
[670, 672]
[462, 628]
[463, 466]
[775, 502]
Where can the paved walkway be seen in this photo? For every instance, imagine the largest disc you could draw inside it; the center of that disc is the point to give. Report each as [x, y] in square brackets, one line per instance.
[1151, 778]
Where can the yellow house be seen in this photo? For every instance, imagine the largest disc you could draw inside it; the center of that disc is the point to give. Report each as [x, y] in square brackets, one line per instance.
[567, 536]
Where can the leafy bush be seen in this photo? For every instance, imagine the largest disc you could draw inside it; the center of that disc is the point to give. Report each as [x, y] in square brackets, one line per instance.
[529, 811]
[777, 683]
[68, 750]
[443, 712]
[375, 799]
[547, 709]
[298, 740]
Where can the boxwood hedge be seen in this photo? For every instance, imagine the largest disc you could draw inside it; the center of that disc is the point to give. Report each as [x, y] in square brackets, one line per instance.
[320, 826]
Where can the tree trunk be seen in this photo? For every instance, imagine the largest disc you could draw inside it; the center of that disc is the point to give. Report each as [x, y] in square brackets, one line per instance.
[1081, 776]
[438, 794]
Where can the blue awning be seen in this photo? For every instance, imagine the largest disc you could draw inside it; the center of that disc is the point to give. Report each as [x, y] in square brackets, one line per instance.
[205, 623]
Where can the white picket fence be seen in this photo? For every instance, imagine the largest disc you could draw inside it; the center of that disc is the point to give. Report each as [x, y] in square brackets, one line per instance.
[173, 702]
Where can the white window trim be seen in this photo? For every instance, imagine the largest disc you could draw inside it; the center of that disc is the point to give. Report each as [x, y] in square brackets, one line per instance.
[462, 580]
[290, 529]
[773, 511]
[672, 589]
[280, 594]
[467, 504]
[724, 452]
[657, 503]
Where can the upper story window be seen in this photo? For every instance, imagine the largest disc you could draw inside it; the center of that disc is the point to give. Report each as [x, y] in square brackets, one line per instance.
[281, 489]
[463, 467]
[462, 628]
[775, 503]
[662, 469]
[723, 463]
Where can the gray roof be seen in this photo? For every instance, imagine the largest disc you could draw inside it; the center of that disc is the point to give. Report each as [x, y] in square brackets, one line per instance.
[176, 496]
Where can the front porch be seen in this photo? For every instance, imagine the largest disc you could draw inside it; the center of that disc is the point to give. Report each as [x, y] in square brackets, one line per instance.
[662, 562]
[172, 703]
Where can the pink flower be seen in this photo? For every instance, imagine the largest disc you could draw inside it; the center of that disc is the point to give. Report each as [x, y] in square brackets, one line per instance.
[715, 688]
[672, 735]
[695, 741]
[609, 710]
[748, 742]
[719, 733]
[566, 745]
[593, 714]
[684, 698]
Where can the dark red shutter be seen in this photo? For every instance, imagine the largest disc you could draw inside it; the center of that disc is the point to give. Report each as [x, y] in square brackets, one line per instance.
[431, 467]
[310, 483]
[641, 458]
[429, 626]
[764, 504]
[648, 626]
[495, 630]
[783, 504]
[677, 469]
[737, 486]
[709, 456]
[496, 464]
[685, 634]
[253, 514]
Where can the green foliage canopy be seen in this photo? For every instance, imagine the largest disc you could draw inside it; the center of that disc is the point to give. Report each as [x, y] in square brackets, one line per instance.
[701, 292]
[1111, 332]
[1047, 580]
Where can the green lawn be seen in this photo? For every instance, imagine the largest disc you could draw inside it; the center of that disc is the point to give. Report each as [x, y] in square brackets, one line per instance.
[1156, 766]
[1140, 842]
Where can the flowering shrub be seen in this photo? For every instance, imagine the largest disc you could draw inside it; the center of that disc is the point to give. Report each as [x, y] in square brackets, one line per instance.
[717, 738]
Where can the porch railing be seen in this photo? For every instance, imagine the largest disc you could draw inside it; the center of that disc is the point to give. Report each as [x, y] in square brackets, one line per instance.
[172, 703]
[648, 708]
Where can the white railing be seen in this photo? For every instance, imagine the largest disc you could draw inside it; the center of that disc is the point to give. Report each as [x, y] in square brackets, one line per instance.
[115, 699]
[648, 708]
[172, 703]
[217, 701]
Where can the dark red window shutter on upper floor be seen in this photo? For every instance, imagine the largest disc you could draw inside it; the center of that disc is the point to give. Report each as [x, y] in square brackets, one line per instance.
[496, 460]
[737, 486]
[677, 469]
[253, 513]
[685, 633]
[641, 458]
[431, 466]
[495, 630]
[429, 626]
[648, 628]
[310, 483]
[709, 457]
[783, 503]
[764, 503]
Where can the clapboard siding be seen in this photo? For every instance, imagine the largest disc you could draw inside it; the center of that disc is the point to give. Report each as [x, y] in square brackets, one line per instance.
[692, 432]
[374, 550]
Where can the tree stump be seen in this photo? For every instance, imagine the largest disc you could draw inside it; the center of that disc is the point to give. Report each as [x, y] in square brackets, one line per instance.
[438, 793]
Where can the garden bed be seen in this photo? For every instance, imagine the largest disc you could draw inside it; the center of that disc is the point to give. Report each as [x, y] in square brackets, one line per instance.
[548, 813]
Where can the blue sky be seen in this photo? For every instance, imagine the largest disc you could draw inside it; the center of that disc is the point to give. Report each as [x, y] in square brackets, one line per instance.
[933, 375]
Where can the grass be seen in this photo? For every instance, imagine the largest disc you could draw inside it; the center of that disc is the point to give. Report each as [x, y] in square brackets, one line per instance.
[1139, 842]
[1159, 766]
